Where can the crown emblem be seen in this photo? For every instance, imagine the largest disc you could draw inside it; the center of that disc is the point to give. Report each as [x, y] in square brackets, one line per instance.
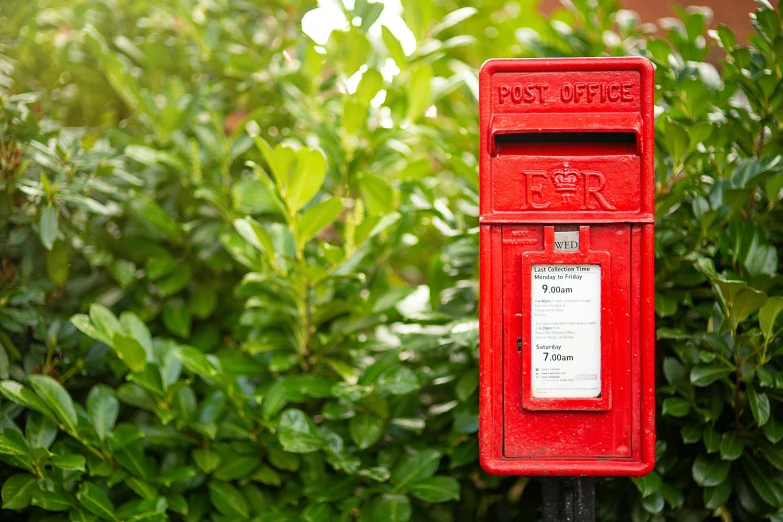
[565, 180]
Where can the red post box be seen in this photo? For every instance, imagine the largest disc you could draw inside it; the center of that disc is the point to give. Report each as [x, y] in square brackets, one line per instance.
[566, 303]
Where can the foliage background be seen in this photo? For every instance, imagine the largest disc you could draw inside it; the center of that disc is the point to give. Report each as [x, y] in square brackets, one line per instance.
[238, 269]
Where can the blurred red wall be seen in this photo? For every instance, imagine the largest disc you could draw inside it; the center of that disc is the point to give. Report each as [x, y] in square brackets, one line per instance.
[733, 13]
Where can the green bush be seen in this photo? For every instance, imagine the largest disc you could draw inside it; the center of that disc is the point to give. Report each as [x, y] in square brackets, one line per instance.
[238, 268]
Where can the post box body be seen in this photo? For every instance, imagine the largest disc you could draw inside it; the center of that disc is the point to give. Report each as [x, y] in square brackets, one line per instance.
[566, 267]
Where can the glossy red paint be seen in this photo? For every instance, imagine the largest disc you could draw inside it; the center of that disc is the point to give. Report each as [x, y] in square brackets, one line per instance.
[567, 142]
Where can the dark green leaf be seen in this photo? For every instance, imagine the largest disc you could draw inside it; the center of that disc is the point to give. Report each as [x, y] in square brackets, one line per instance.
[18, 491]
[706, 374]
[716, 496]
[420, 465]
[48, 226]
[771, 490]
[366, 429]
[14, 391]
[102, 406]
[773, 430]
[229, 500]
[730, 446]
[317, 217]
[393, 508]
[56, 399]
[95, 500]
[298, 433]
[759, 406]
[435, 489]
[676, 407]
[710, 470]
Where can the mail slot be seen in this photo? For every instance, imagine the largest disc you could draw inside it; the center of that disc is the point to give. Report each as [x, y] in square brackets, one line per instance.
[566, 267]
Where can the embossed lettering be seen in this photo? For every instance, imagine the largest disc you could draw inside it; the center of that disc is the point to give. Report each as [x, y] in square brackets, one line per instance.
[626, 95]
[614, 91]
[567, 92]
[595, 191]
[516, 93]
[535, 190]
[503, 92]
[522, 92]
[592, 92]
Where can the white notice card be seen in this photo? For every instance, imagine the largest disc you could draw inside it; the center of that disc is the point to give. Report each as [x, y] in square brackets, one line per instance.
[566, 331]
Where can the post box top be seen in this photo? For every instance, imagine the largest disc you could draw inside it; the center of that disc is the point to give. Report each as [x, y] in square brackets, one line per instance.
[573, 65]
[566, 140]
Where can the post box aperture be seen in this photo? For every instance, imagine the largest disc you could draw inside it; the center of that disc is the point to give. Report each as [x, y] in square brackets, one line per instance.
[566, 304]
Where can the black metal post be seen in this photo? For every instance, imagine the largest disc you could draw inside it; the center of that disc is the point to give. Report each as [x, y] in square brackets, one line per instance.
[570, 499]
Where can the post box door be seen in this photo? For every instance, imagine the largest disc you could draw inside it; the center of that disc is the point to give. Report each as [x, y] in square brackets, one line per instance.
[560, 424]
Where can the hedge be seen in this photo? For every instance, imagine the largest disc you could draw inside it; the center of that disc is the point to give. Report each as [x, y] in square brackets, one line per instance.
[238, 273]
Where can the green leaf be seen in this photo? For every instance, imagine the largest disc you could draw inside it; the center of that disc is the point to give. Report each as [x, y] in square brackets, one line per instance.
[135, 327]
[256, 235]
[366, 429]
[13, 443]
[283, 460]
[104, 321]
[57, 399]
[379, 196]
[80, 515]
[435, 489]
[453, 18]
[711, 439]
[228, 500]
[72, 461]
[710, 470]
[95, 500]
[47, 227]
[676, 407]
[691, 433]
[370, 84]
[126, 443]
[420, 465]
[14, 391]
[773, 430]
[307, 178]
[40, 430]
[773, 454]
[176, 318]
[235, 467]
[18, 491]
[317, 217]
[768, 315]
[298, 433]
[267, 475]
[716, 496]
[771, 490]
[55, 500]
[677, 139]
[103, 407]
[673, 370]
[394, 47]
[706, 374]
[419, 90]
[393, 508]
[197, 362]
[740, 300]
[206, 459]
[730, 446]
[274, 400]
[648, 484]
[759, 406]
[398, 381]
[84, 324]
[58, 263]
[130, 351]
